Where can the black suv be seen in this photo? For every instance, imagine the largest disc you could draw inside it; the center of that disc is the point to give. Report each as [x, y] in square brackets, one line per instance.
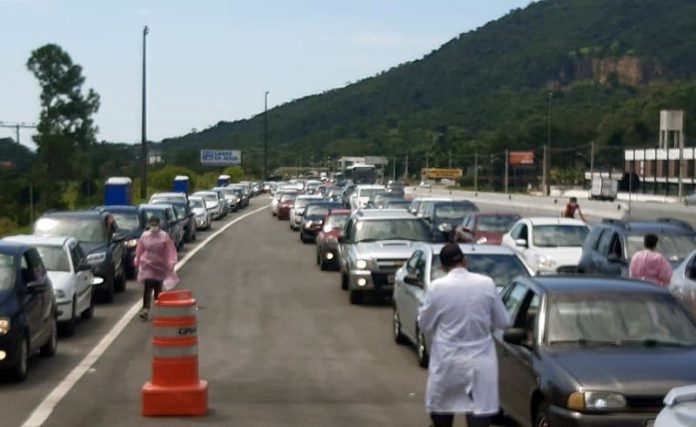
[609, 247]
[102, 244]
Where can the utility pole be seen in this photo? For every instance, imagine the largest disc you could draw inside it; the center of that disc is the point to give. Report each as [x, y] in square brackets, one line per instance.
[591, 162]
[545, 172]
[507, 171]
[265, 137]
[450, 158]
[17, 127]
[143, 146]
[394, 168]
[476, 171]
[406, 169]
[547, 152]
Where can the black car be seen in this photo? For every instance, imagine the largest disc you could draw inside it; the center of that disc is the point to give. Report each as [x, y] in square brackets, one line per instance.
[102, 243]
[444, 217]
[27, 309]
[168, 221]
[609, 247]
[243, 196]
[184, 214]
[313, 219]
[591, 351]
[131, 222]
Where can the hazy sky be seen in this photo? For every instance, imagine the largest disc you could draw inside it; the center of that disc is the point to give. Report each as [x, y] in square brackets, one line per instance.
[212, 60]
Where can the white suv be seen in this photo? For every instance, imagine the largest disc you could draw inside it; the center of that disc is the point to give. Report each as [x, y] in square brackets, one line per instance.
[362, 194]
[548, 245]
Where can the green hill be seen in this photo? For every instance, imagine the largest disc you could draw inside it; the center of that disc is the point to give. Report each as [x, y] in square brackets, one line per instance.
[609, 64]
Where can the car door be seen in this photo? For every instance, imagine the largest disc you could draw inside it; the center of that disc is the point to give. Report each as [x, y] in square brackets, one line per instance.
[38, 302]
[412, 294]
[610, 259]
[83, 279]
[589, 257]
[347, 242]
[116, 249]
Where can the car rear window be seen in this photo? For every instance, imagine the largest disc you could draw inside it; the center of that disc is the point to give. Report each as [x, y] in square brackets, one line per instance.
[86, 230]
[502, 268]
[7, 272]
[391, 229]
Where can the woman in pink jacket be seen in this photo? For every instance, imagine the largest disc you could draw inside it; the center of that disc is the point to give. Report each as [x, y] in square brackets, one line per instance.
[650, 265]
[155, 258]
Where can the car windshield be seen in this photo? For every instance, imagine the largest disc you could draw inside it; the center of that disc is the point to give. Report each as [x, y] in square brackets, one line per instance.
[673, 246]
[301, 203]
[495, 223]
[127, 221]
[179, 210]
[453, 210]
[398, 204]
[552, 236]
[167, 199]
[391, 229]
[209, 197]
[502, 268]
[54, 258]
[196, 203]
[319, 210]
[151, 213]
[288, 197]
[84, 230]
[369, 192]
[337, 221]
[7, 272]
[618, 318]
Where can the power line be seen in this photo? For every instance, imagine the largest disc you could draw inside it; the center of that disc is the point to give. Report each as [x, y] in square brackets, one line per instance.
[17, 127]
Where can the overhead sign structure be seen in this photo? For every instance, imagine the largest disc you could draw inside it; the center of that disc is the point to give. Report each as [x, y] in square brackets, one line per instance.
[521, 158]
[221, 157]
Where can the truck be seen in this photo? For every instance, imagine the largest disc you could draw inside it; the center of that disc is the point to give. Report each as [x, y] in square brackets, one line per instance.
[604, 189]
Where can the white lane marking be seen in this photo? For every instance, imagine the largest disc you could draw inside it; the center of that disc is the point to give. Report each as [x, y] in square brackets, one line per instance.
[41, 413]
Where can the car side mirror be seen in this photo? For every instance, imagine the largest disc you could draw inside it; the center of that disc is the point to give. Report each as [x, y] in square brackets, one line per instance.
[522, 243]
[515, 336]
[37, 285]
[413, 280]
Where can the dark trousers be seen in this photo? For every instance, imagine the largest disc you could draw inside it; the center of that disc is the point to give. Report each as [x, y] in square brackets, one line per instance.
[151, 287]
[447, 420]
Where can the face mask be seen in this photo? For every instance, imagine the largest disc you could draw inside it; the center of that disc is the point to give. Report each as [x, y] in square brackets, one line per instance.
[155, 228]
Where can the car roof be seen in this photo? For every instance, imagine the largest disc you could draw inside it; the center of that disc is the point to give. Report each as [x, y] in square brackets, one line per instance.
[489, 213]
[309, 197]
[340, 212]
[211, 193]
[433, 199]
[662, 226]
[168, 194]
[550, 220]
[73, 214]
[117, 208]
[159, 207]
[369, 187]
[32, 240]
[469, 249]
[371, 214]
[12, 248]
[577, 284]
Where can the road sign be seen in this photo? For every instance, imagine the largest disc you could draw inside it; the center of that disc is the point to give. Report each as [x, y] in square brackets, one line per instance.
[521, 158]
[221, 157]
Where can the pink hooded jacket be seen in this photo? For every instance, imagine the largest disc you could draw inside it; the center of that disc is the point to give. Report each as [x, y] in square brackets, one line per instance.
[652, 267]
[156, 257]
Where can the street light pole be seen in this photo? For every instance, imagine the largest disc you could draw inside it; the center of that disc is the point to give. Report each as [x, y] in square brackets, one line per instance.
[143, 141]
[547, 157]
[265, 137]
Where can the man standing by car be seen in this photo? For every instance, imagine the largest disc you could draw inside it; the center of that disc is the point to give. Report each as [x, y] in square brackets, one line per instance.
[650, 265]
[571, 208]
[459, 312]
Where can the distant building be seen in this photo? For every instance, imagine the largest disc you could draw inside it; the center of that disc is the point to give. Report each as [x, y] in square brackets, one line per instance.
[154, 157]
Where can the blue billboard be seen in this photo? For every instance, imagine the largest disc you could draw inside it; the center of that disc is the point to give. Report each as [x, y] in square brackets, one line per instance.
[221, 157]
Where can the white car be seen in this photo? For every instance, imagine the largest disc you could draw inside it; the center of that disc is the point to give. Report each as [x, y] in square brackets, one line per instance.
[680, 408]
[70, 275]
[198, 207]
[415, 205]
[212, 203]
[362, 194]
[549, 245]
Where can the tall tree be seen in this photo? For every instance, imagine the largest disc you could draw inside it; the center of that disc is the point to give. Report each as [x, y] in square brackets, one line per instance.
[66, 128]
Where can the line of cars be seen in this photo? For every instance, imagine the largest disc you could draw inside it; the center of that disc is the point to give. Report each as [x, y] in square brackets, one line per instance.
[586, 345]
[53, 278]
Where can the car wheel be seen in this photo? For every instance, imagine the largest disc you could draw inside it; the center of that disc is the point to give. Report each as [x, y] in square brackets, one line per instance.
[120, 282]
[541, 418]
[355, 297]
[107, 292]
[68, 328]
[89, 313]
[422, 351]
[344, 281]
[49, 349]
[322, 264]
[319, 259]
[21, 368]
[399, 338]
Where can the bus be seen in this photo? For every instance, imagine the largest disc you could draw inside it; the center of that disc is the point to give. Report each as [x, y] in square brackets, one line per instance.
[361, 174]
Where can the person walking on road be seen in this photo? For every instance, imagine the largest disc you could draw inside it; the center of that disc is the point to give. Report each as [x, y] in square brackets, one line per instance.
[650, 265]
[155, 258]
[458, 315]
[571, 208]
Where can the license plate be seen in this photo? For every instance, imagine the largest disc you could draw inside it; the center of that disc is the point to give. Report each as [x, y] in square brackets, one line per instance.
[391, 279]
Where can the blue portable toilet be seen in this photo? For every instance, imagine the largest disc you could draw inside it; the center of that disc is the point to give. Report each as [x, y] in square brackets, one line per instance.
[181, 184]
[223, 181]
[118, 191]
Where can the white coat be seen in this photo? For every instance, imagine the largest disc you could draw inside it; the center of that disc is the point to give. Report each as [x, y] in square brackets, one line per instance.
[458, 315]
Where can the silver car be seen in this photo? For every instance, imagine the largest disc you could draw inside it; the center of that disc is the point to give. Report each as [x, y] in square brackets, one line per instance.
[374, 245]
[298, 210]
[201, 214]
[212, 203]
[230, 196]
[680, 408]
[414, 277]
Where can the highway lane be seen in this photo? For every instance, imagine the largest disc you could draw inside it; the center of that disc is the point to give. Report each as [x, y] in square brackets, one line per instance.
[18, 400]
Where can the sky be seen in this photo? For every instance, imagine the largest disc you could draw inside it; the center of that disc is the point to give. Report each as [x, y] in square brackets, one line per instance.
[213, 60]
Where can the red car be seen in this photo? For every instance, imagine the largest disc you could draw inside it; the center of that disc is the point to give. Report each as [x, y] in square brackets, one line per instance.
[285, 203]
[327, 240]
[485, 228]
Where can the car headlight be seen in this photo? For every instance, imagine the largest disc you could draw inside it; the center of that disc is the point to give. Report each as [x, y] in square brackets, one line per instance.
[545, 262]
[308, 224]
[60, 294]
[596, 400]
[96, 258]
[482, 240]
[131, 243]
[238, 200]
[327, 228]
[361, 264]
[4, 325]
[444, 228]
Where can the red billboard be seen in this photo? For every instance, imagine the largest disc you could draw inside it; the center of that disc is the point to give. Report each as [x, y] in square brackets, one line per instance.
[521, 158]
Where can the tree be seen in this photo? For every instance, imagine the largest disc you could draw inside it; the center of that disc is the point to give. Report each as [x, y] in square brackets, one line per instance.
[66, 129]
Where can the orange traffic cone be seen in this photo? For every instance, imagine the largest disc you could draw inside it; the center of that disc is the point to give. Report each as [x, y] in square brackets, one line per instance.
[175, 388]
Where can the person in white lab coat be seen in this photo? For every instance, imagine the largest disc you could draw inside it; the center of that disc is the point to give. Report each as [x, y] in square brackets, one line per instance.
[458, 314]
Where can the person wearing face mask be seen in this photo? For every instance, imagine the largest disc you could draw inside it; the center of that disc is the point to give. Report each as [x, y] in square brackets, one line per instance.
[155, 259]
